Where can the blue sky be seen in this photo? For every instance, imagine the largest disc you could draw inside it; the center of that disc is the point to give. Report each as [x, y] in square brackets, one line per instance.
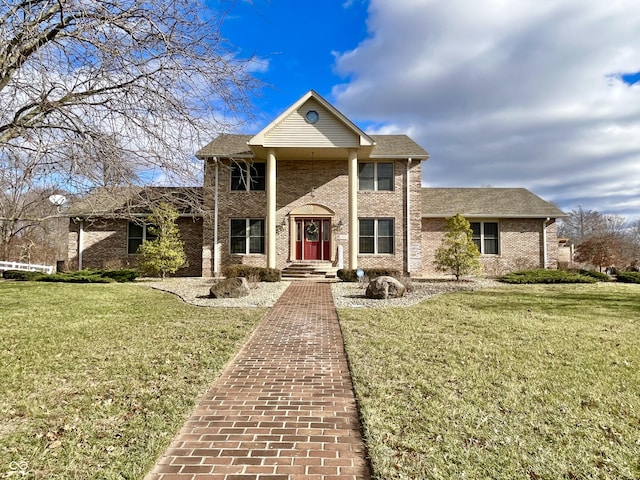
[523, 93]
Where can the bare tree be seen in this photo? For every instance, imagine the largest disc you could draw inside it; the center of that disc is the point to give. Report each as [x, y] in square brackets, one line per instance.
[109, 93]
[24, 207]
[581, 225]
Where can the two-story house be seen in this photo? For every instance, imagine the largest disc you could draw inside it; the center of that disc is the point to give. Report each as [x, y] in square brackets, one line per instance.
[312, 187]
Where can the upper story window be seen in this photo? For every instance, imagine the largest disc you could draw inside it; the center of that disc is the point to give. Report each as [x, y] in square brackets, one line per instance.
[485, 236]
[136, 235]
[376, 235]
[375, 176]
[247, 176]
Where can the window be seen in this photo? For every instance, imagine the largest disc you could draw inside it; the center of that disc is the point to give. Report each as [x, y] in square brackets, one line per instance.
[375, 176]
[247, 235]
[485, 236]
[248, 176]
[376, 235]
[137, 234]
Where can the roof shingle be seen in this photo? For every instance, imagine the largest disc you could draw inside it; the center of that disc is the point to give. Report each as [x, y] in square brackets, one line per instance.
[387, 146]
[486, 203]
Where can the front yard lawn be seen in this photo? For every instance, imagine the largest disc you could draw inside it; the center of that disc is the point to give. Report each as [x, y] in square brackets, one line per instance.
[527, 382]
[95, 379]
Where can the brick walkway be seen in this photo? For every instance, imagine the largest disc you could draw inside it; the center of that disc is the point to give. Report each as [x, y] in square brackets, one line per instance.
[284, 409]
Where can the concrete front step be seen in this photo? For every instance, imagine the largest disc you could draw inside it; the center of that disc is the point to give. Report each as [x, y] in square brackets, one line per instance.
[309, 271]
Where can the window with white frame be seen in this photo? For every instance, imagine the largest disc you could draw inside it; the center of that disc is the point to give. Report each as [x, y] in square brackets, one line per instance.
[376, 235]
[375, 176]
[247, 176]
[485, 236]
[247, 236]
[138, 233]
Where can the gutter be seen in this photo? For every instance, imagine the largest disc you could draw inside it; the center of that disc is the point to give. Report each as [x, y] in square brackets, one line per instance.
[544, 242]
[408, 216]
[80, 243]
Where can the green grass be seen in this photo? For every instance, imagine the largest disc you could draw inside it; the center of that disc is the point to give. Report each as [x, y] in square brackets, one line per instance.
[524, 382]
[95, 379]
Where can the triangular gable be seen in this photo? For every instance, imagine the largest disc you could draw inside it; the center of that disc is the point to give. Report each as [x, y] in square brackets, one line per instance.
[292, 128]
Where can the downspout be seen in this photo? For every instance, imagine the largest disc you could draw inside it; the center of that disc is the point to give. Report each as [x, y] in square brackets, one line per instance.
[80, 243]
[408, 217]
[216, 254]
[544, 242]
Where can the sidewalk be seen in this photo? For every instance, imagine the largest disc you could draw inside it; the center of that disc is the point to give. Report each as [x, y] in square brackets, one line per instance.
[283, 409]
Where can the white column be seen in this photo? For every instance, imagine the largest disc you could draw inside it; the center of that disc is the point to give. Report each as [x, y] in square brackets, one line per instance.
[216, 250]
[271, 209]
[353, 209]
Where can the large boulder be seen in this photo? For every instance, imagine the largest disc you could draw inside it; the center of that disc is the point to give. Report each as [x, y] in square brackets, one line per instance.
[385, 287]
[230, 288]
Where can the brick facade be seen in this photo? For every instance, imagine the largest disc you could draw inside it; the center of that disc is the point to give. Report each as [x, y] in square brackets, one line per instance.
[320, 185]
[521, 245]
[104, 245]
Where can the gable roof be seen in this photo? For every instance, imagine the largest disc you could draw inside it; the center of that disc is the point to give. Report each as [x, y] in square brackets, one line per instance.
[386, 146]
[313, 98]
[295, 138]
[135, 201]
[486, 203]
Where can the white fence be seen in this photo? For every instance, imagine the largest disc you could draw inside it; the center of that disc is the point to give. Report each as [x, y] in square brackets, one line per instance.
[29, 267]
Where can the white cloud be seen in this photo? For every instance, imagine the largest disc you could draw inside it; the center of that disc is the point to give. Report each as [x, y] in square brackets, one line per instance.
[507, 93]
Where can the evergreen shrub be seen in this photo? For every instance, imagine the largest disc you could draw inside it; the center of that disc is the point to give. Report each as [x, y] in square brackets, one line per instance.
[348, 275]
[545, 276]
[21, 275]
[599, 276]
[628, 277]
[247, 271]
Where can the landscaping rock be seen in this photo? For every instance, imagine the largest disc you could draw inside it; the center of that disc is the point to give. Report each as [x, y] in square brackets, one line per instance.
[230, 288]
[385, 287]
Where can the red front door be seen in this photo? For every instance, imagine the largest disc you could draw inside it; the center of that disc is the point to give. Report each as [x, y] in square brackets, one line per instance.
[313, 239]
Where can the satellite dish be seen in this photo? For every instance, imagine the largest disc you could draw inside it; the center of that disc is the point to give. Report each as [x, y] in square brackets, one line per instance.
[58, 200]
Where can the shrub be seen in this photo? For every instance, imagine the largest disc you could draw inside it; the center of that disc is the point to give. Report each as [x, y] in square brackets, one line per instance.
[120, 276]
[599, 276]
[457, 253]
[83, 276]
[347, 275]
[21, 275]
[247, 271]
[629, 277]
[545, 276]
[164, 254]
